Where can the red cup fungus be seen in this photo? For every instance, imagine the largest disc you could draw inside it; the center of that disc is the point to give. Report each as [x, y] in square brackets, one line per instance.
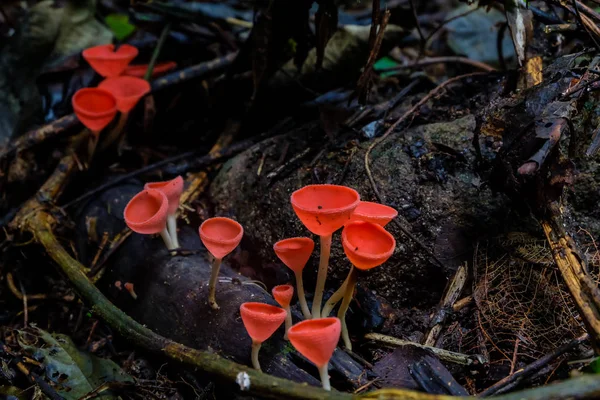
[261, 321]
[376, 213]
[283, 296]
[108, 62]
[146, 213]
[95, 108]
[128, 90]
[294, 253]
[172, 189]
[316, 339]
[367, 245]
[220, 236]
[323, 209]
[368, 212]
[159, 69]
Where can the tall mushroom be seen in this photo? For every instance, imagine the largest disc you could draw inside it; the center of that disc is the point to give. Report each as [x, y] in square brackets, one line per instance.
[95, 108]
[108, 62]
[220, 236]
[294, 253]
[128, 91]
[146, 213]
[283, 296]
[369, 212]
[323, 209]
[367, 246]
[261, 321]
[316, 339]
[172, 189]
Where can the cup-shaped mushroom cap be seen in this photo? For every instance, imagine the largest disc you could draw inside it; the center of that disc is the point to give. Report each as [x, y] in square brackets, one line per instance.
[146, 212]
[324, 209]
[294, 252]
[283, 294]
[159, 69]
[108, 62]
[94, 107]
[376, 213]
[261, 320]
[128, 90]
[220, 235]
[367, 245]
[172, 189]
[316, 339]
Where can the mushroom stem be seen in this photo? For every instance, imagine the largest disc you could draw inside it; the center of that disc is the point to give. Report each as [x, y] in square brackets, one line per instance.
[164, 234]
[301, 296]
[212, 287]
[172, 228]
[116, 132]
[324, 373]
[350, 285]
[336, 297]
[255, 349]
[288, 321]
[322, 275]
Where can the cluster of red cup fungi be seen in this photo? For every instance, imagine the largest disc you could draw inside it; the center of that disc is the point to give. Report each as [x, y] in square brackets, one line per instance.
[121, 89]
[323, 209]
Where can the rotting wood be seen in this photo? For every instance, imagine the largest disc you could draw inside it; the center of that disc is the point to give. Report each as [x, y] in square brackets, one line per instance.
[572, 266]
[451, 295]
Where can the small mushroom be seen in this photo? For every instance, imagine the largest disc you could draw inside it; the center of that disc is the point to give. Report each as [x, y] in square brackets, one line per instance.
[261, 321]
[220, 236]
[172, 189]
[94, 108]
[283, 296]
[367, 246]
[294, 253]
[324, 209]
[159, 69]
[146, 213]
[128, 91]
[129, 287]
[108, 62]
[316, 339]
[376, 213]
[369, 212]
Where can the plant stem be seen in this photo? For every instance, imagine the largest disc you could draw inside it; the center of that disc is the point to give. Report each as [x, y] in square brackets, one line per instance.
[336, 297]
[254, 356]
[288, 321]
[212, 285]
[322, 275]
[324, 373]
[161, 42]
[345, 304]
[164, 234]
[301, 296]
[172, 228]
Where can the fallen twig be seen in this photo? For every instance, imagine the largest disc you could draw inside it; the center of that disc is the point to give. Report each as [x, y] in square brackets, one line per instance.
[454, 290]
[450, 356]
[512, 380]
